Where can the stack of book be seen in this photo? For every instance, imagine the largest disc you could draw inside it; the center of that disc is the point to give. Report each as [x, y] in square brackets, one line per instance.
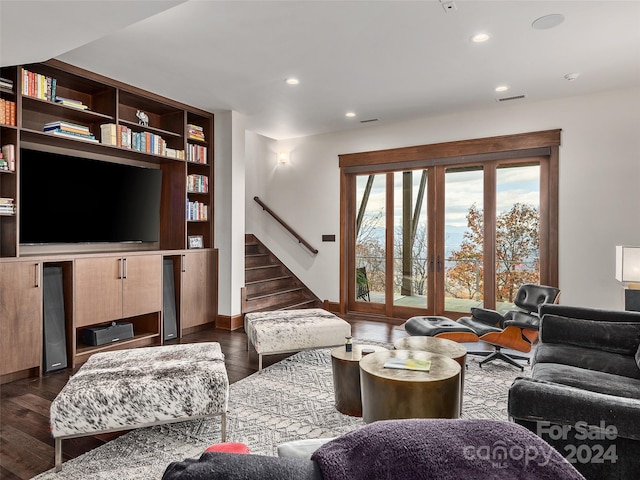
[69, 102]
[195, 132]
[6, 206]
[7, 112]
[69, 130]
[198, 183]
[6, 83]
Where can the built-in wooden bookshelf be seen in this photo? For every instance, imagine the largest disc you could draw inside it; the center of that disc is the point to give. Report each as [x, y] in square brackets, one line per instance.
[62, 109]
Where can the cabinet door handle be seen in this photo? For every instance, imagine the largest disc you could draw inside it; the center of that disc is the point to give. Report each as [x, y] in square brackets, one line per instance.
[183, 266]
[124, 262]
[37, 275]
[119, 269]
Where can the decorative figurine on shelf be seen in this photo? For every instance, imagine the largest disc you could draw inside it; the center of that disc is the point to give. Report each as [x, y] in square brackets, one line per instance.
[143, 118]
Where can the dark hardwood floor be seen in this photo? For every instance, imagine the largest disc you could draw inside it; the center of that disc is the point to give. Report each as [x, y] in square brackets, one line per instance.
[26, 446]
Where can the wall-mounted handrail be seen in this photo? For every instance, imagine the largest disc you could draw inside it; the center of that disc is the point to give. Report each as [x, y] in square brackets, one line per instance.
[284, 224]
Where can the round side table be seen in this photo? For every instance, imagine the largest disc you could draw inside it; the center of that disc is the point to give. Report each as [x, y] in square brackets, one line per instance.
[346, 377]
[396, 393]
[449, 348]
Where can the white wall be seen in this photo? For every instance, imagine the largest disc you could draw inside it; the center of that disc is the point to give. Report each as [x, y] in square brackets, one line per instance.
[599, 185]
[229, 205]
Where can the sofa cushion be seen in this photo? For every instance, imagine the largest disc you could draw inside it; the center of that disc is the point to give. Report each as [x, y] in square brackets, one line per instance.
[597, 360]
[231, 466]
[301, 448]
[594, 381]
[425, 449]
[610, 336]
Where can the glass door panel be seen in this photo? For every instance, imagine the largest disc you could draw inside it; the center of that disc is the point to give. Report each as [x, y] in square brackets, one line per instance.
[410, 241]
[517, 250]
[370, 238]
[463, 239]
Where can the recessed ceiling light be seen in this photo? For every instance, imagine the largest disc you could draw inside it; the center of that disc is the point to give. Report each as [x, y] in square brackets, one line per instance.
[480, 37]
[548, 21]
[350, 114]
[292, 81]
[571, 76]
[502, 88]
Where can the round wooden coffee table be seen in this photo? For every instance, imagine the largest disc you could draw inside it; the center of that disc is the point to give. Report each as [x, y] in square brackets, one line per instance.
[395, 394]
[346, 377]
[443, 346]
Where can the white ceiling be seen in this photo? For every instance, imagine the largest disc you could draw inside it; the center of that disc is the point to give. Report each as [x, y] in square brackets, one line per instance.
[390, 60]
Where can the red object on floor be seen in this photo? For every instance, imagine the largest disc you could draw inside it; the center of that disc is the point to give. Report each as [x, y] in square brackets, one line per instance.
[228, 447]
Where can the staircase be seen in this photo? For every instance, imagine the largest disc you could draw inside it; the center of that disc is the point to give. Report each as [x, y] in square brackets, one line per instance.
[269, 285]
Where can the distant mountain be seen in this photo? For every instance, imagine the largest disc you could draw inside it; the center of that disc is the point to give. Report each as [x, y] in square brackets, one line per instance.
[452, 241]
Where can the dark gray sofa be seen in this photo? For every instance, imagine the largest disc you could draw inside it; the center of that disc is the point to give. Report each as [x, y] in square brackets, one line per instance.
[411, 449]
[583, 396]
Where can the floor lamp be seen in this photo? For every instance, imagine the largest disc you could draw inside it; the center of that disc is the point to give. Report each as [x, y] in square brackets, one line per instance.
[628, 273]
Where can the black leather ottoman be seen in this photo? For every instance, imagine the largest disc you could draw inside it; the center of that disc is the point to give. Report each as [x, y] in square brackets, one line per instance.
[441, 327]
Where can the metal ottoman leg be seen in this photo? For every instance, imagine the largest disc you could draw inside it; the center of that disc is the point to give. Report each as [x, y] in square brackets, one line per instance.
[58, 454]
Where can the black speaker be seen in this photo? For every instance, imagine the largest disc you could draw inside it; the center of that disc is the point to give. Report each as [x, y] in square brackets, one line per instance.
[55, 341]
[632, 300]
[169, 324]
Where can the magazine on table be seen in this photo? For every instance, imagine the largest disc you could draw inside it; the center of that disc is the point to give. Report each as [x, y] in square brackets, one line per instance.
[408, 364]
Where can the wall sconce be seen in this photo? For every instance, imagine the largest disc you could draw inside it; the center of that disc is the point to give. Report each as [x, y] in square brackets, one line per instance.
[283, 157]
[628, 273]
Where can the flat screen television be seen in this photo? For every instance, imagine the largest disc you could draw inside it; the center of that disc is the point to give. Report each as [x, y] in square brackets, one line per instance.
[69, 199]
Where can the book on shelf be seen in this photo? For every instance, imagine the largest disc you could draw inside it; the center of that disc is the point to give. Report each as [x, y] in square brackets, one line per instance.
[74, 136]
[195, 132]
[38, 86]
[197, 183]
[65, 128]
[7, 112]
[9, 156]
[408, 364]
[68, 102]
[6, 206]
[173, 153]
[197, 211]
[123, 136]
[197, 154]
[63, 123]
[109, 134]
[6, 83]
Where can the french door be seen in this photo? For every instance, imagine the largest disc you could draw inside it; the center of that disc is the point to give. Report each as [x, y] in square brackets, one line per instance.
[441, 239]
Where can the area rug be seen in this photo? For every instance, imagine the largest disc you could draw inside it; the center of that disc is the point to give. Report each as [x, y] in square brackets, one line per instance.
[290, 400]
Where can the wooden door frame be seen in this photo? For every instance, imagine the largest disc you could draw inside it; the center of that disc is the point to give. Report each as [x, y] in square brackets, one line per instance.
[543, 143]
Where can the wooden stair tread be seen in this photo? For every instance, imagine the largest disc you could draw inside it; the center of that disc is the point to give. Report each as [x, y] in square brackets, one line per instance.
[274, 293]
[285, 306]
[271, 265]
[270, 279]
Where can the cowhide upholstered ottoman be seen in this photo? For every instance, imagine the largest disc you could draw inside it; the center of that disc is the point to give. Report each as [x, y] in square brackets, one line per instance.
[141, 387]
[286, 331]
